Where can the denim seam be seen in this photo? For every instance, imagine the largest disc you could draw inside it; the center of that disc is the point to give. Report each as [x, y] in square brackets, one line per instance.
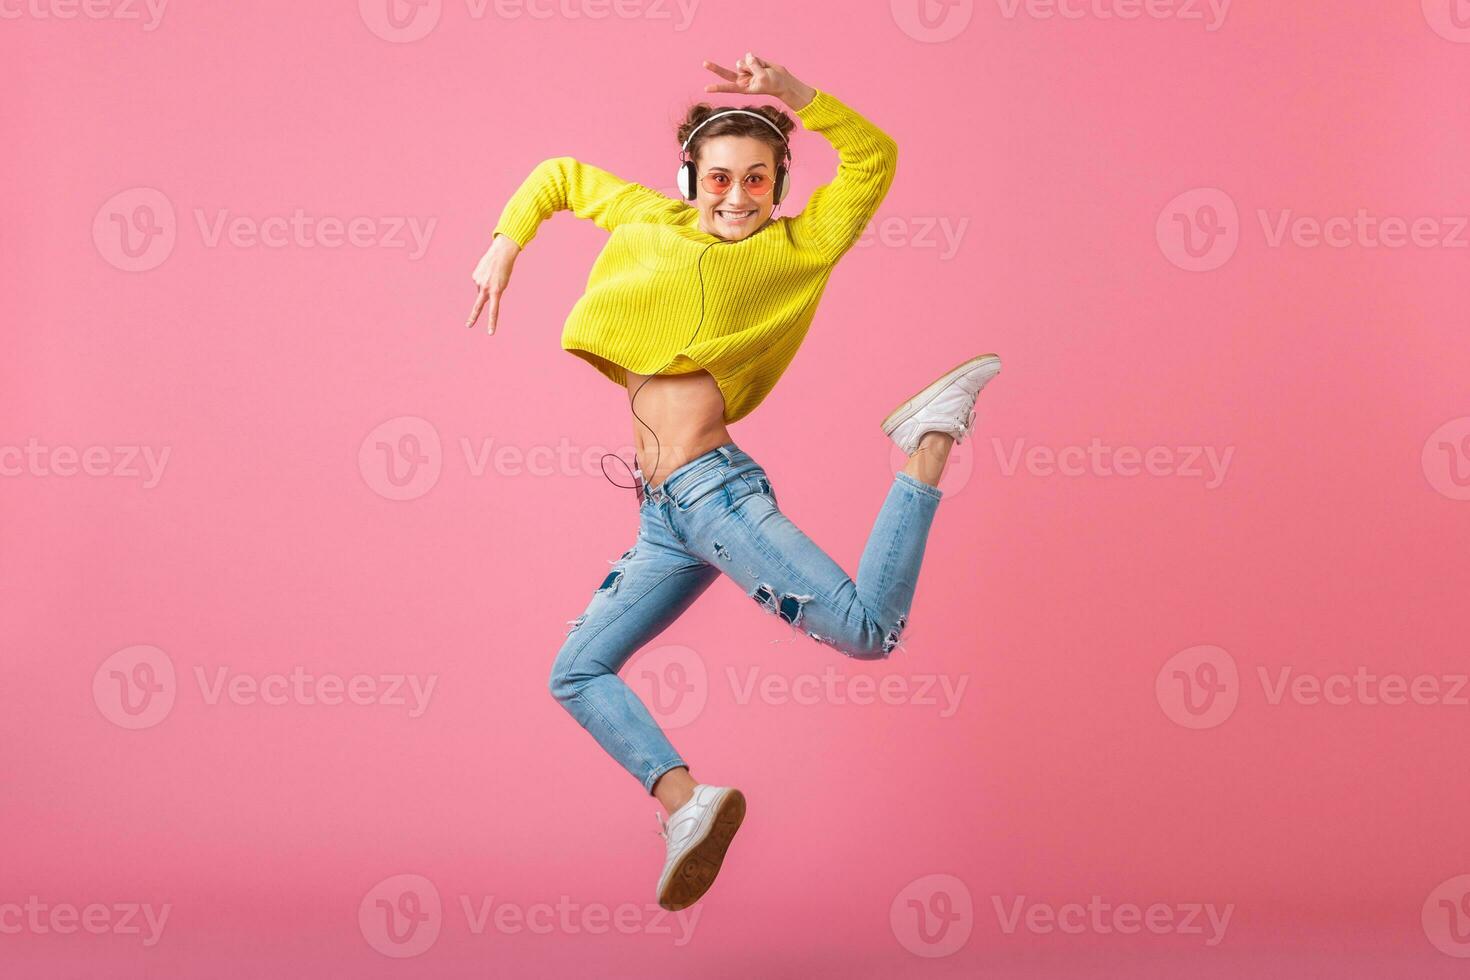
[779, 559]
[919, 485]
[684, 476]
[903, 528]
[592, 635]
[652, 777]
[644, 761]
[680, 508]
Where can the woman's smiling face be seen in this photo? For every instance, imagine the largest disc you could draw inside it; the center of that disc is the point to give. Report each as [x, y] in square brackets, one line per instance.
[736, 213]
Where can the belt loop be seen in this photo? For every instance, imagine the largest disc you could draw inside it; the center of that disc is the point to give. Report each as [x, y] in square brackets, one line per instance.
[725, 452]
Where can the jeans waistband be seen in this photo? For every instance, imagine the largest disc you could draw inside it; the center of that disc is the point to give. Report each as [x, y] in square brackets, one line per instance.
[729, 454]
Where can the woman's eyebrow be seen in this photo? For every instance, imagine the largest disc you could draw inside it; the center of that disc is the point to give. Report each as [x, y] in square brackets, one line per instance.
[751, 167]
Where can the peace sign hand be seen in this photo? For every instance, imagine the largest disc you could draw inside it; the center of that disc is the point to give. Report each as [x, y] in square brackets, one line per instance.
[756, 76]
[491, 276]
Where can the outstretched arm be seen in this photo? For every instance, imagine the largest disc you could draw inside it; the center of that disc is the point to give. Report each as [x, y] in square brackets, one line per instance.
[837, 212]
[558, 184]
[568, 184]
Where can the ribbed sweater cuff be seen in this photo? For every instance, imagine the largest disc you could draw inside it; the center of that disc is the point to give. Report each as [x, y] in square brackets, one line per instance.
[531, 204]
[519, 226]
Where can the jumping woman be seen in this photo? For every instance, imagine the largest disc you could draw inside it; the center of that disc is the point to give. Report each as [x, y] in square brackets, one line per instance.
[704, 302]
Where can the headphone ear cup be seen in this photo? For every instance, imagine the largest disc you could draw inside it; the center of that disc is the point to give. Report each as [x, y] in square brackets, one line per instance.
[783, 184]
[686, 180]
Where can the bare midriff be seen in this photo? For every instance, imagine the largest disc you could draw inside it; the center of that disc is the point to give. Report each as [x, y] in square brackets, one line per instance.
[687, 415]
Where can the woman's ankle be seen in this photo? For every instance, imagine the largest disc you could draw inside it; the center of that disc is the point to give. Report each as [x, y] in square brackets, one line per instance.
[927, 462]
[674, 788]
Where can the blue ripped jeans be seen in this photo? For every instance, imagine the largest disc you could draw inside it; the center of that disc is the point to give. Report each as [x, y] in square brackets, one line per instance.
[718, 513]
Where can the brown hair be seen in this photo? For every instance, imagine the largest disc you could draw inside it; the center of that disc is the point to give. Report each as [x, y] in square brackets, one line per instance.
[735, 124]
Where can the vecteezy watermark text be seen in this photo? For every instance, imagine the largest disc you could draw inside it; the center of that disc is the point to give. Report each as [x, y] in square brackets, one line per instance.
[136, 688]
[1101, 918]
[136, 230]
[406, 21]
[833, 686]
[1200, 230]
[403, 915]
[97, 918]
[44, 462]
[1099, 460]
[1211, 13]
[1199, 687]
[124, 10]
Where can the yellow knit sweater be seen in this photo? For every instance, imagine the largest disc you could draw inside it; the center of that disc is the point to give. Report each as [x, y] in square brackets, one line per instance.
[642, 305]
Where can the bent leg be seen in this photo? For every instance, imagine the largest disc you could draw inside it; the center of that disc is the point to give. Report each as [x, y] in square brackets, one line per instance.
[791, 576]
[644, 591]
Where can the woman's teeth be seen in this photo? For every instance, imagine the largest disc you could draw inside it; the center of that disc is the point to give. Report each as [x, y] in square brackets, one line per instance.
[735, 215]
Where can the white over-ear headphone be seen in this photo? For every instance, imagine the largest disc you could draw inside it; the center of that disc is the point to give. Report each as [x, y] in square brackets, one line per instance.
[688, 172]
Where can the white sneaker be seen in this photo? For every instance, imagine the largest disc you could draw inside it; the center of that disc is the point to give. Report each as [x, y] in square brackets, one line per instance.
[698, 833]
[947, 405]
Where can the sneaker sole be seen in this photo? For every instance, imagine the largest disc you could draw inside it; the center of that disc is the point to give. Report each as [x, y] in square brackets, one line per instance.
[697, 869]
[905, 411]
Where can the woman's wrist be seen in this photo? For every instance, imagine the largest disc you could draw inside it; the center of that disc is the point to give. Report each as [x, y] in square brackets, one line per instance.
[798, 95]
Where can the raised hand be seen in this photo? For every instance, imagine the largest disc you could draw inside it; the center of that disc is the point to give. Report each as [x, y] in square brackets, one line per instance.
[756, 76]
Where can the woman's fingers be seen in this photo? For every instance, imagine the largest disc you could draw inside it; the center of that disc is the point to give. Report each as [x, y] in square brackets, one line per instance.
[479, 305]
[724, 73]
[494, 314]
[736, 81]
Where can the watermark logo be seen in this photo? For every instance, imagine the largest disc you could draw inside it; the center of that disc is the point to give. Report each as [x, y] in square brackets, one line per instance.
[1363, 686]
[1198, 687]
[661, 249]
[401, 458]
[922, 232]
[941, 692]
[410, 691]
[306, 231]
[958, 468]
[135, 230]
[401, 916]
[1450, 19]
[119, 10]
[39, 918]
[47, 462]
[932, 916]
[1446, 459]
[932, 21]
[406, 21]
[1097, 459]
[1210, 13]
[400, 21]
[135, 687]
[1199, 230]
[1101, 918]
[404, 457]
[1362, 230]
[571, 918]
[673, 682]
[1446, 917]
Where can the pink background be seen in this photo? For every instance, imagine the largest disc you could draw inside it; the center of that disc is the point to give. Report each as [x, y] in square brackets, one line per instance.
[1336, 540]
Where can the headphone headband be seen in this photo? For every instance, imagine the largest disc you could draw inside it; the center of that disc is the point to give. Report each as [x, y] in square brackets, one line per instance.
[731, 112]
